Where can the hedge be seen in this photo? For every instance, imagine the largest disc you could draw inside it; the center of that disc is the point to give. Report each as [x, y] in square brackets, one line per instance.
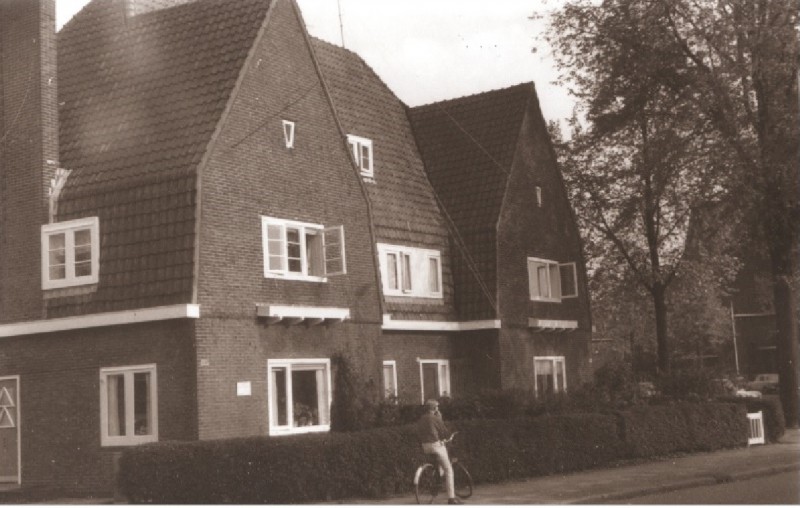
[650, 431]
[380, 462]
[367, 464]
[774, 422]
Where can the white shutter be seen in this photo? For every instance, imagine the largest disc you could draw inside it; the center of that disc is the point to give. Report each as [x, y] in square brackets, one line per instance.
[333, 245]
[569, 280]
[555, 281]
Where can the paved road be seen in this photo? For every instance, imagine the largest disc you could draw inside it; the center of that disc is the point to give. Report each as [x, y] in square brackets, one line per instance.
[781, 488]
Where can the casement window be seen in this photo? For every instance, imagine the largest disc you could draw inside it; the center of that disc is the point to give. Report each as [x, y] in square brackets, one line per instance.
[299, 393]
[408, 271]
[362, 153]
[569, 280]
[70, 253]
[549, 375]
[128, 405]
[296, 250]
[434, 377]
[549, 281]
[288, 133]
[389, 379]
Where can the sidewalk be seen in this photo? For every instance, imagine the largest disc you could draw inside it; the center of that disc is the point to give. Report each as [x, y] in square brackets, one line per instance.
[599, 485]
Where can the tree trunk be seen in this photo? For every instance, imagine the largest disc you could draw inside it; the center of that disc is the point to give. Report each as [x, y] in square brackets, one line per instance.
[787, 350]
[660, 304]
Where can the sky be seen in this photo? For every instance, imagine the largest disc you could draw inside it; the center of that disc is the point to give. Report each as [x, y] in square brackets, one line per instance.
[432, 50]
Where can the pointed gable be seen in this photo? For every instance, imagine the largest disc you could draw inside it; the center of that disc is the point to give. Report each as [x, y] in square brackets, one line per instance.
[139, 102]
[467, 145]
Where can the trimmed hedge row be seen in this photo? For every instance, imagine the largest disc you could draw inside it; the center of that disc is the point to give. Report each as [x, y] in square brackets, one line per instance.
[380, 462]
[774, 422]
[683, 427]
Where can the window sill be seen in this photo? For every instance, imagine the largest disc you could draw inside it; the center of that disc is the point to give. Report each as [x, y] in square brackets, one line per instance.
[549, 300]
[305, 278]
[287, 431]
[65, 284]
[108, 442]
[401, 294]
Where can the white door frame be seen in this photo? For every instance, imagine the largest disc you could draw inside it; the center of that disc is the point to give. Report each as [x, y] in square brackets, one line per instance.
[18, 479]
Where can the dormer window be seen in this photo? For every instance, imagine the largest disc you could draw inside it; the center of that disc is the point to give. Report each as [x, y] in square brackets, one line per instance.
[288, 133]
[362, 154]
[70, 253]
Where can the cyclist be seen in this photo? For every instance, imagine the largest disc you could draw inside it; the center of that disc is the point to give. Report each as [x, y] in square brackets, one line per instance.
[431, 432]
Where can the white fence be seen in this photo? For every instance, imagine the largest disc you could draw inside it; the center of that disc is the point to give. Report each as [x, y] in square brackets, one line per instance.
[756, 421]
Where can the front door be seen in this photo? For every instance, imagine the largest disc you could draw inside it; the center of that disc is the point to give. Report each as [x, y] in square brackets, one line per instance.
[9, 429]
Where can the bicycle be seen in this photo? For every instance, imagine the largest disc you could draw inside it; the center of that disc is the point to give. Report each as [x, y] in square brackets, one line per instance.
[428, 478]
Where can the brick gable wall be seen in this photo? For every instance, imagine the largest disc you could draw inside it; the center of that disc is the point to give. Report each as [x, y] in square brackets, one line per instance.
[549, 232]
[250, 174]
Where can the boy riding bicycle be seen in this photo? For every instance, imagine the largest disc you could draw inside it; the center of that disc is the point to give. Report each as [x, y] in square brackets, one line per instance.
[432, 432]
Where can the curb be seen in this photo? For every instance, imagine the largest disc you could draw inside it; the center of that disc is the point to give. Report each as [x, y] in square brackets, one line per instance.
[687, 484]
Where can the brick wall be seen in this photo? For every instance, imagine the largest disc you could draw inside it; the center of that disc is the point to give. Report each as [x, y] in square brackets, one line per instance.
[252, 174]
[60, 403]
[472, 360]
[28, 140]
[547, 232]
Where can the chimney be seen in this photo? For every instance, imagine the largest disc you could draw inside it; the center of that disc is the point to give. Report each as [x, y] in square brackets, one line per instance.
[28, 149]
[136, 7]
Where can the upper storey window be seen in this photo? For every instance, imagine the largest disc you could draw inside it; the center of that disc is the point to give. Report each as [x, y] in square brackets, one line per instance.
[550, 281]
[408, 271]
[288, 133]
[297, 250]
[70, 253]
[362, 153]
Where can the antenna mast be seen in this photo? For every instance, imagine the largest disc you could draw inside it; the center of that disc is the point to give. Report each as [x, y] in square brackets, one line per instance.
[341, 25]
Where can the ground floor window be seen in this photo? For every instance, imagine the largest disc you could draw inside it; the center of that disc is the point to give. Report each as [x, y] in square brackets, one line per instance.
[549, 374]
[128, 405]
[434, 378]
[299, 393]
[389, 379]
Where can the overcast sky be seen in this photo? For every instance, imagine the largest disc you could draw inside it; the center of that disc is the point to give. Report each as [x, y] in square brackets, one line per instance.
[431, 50]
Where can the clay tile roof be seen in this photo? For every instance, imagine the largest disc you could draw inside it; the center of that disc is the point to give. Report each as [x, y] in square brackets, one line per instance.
[404, 207]
[139, 101]
[467, 145]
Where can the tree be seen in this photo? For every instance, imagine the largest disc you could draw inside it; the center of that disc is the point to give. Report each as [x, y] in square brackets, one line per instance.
[646, 164]
[736, 62]
[743, 59]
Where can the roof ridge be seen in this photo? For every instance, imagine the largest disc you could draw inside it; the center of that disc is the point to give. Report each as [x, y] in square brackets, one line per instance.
[475, 95]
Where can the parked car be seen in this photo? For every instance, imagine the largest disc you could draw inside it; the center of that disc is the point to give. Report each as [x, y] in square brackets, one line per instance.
[764, 383]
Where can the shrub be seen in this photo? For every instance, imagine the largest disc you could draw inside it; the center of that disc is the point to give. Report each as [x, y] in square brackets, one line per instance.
[774, 423]
[687, 384]
[682, 427]
[351, 407]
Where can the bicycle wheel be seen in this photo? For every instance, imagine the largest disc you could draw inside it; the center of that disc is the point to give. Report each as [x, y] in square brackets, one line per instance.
[427, 483]
[462, 480]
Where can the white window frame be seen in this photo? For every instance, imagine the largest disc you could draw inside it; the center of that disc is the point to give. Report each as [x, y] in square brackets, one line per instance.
[332, 249]
[358, 145]
[553, 290]
[417, 282]
[556, 362]
[68, 229]
[386, 391]
[291, 365]
[573, 268]
[288, 133]
[538, 196]
[443, 376]
[129, 439]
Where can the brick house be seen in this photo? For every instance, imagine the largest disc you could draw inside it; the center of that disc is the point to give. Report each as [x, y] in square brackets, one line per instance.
[201, 207]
